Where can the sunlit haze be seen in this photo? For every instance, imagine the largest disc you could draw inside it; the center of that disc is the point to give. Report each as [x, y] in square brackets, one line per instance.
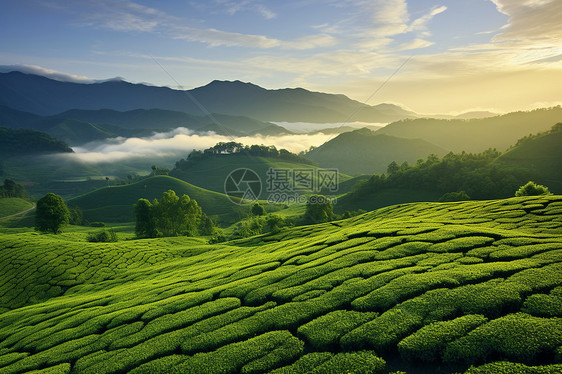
[435, 56]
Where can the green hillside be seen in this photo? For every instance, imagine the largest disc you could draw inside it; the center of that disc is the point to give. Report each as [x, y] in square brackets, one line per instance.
[476, 135]
[384, 197]
[115, 204]
[211, 173]
[366, 152]
[543, 155]
[427, 286]
[13, 205]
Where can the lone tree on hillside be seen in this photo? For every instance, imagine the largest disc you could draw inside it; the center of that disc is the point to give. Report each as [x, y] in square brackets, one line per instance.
[51, 213]
[319, 209]
[258, 210]
[532, 189]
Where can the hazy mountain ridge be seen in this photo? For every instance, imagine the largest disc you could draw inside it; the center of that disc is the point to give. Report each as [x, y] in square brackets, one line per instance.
[40, 95]
[366, 152]
[476, 135]
[77, 126]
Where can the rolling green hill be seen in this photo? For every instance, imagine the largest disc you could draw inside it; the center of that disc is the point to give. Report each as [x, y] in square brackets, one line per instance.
[364, 151]
[211, 173]
[384, 197]
[543, 155]
[476, 135]
[421, 287]
[13, 205]
[115, 204]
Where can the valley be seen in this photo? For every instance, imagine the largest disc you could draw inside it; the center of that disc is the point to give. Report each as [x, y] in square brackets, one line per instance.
[143, 237]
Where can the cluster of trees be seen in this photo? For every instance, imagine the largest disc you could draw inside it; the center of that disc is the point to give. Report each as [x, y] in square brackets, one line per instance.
[234, 148]
[13, 189]
[23, 141]
[475, 174]
[171, 216]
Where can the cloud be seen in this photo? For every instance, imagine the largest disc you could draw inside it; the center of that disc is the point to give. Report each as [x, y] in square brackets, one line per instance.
[415, 44]
[216, 38]
[390, 17]
[531, 20]
[179, 143]
[128, 16]
[266, 13]
[233, 7]
[52, 74]
[420, 24]
[118, 15]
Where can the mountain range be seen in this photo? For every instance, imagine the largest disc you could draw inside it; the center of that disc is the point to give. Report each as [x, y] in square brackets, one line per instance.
[476, 135]
[78, 126]
[44, 96]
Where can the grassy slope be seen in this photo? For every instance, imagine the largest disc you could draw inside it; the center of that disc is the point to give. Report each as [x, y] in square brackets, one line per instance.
[13, 205]
[115, 204]
[542, 155]
[211, 173]
[384, 198]
[487, 272]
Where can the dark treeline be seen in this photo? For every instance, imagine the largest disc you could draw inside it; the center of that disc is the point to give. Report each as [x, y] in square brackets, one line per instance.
[20, 142]
[475, 174]
[234, 148]
[13, 189]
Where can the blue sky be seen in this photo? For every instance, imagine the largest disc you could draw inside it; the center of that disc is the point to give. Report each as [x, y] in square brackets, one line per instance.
[499, 55]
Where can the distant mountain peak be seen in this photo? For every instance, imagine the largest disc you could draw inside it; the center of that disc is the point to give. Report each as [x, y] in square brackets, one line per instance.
[44, 96]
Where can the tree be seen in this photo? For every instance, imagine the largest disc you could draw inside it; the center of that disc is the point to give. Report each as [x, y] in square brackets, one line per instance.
[392, 168]
[145, 226]
[171, 216]
[258, 210]
[532, 189]
[51, 213]
[318, 209]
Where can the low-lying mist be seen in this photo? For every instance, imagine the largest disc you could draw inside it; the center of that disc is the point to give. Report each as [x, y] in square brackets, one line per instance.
[178, 143]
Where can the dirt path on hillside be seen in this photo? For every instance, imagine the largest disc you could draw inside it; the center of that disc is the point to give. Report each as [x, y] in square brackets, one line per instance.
[18, 214]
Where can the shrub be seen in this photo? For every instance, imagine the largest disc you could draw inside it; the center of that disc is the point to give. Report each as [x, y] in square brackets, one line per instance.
[104, 236]
[544, 305]
[427, 343]
[304, 364]
[532, 189]
[362, 362]
[454, 196]
[516, 336]
[324, 332]
[259, 354]
[504, 367]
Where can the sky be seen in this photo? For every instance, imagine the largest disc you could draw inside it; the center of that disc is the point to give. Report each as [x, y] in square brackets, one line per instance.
[429, 56]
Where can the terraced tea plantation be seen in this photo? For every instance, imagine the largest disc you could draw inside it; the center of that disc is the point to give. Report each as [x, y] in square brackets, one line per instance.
[471, 287]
